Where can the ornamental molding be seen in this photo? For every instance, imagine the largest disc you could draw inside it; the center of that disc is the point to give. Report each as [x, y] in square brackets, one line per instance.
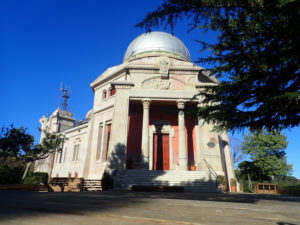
[121, 84]
[170, 69]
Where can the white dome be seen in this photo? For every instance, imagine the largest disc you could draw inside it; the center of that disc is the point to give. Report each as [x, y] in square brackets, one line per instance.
[157, 42]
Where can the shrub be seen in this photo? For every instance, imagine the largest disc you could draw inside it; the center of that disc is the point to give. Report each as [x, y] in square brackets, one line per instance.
[36, 178]
[221, 179]
[10, 175]
[290, 190]
[232, 182]
[107, 181]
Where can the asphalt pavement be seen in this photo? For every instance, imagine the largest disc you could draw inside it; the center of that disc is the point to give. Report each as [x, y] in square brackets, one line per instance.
[122, 207]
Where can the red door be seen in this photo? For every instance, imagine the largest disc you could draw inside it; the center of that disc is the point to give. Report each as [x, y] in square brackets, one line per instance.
[161, 152]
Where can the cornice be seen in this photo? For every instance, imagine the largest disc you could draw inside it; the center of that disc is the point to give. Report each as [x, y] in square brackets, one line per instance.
[121, 84]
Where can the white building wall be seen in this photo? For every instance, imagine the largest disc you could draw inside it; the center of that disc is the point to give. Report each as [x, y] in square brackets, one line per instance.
[77, 135]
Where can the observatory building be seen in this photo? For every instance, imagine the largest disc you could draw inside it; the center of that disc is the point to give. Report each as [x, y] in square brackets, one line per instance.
[138, 131]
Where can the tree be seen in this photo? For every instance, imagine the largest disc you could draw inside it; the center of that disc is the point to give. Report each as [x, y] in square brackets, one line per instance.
[236, 149]
[14, 145]
[257, 51]
[266, 150]
[17, 147]
[51, 143]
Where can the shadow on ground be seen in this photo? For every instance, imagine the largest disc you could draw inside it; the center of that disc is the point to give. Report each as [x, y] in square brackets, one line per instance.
[15, 204]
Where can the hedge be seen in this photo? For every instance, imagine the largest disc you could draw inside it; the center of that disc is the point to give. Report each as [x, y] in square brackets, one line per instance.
[10, 175]
[36, 178]
[289, 190]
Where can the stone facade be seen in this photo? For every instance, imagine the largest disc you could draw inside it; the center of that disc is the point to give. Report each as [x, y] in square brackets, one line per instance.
[138, 122]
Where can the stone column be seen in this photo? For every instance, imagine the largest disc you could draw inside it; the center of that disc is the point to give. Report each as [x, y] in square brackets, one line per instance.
[145, 134]
[183, 156]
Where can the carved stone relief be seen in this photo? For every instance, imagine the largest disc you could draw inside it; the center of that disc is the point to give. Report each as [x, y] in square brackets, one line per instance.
[164, 68]
[162, 84]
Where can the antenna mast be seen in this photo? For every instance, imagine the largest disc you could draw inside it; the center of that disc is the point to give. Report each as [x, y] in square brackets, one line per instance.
[65, 94]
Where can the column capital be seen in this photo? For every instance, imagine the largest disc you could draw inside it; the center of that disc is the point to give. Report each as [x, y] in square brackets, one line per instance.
[180, 104]
[146, 103]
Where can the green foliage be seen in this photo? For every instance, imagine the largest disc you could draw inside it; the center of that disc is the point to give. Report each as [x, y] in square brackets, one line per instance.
[51, 143]
[36, 178]
[290, 190]
[221, 179]
[16, 146]
[15, 143]
[17, 149]
[282, 181]
[10, 175]
[257, 49]
[266, 150]
[232, 182]
[247, 167]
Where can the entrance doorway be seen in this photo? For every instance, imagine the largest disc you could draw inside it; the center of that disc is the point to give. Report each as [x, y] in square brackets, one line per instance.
[161, 160]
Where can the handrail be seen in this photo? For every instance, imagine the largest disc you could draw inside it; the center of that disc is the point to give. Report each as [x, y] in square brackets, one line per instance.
[212, 171]
[210, 168]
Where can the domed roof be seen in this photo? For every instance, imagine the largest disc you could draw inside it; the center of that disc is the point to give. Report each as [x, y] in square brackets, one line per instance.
[157, 42]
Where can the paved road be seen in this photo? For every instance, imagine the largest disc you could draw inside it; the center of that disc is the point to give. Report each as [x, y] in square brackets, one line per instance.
[110, 207]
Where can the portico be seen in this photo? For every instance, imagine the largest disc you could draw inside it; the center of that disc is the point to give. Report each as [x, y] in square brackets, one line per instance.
[164, 144]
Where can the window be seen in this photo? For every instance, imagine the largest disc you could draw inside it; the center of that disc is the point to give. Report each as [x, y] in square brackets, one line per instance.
[65, 154]
[60, 156]
[104, 94]
[113, 91]
[106, 139]
[77, 152]
[99, 146]
[74, 152]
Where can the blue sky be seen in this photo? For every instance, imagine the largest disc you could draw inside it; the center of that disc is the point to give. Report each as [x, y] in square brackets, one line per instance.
[44, 43]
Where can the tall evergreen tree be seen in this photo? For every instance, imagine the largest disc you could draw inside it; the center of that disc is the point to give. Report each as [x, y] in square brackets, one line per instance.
[257, 50]
[266, 151]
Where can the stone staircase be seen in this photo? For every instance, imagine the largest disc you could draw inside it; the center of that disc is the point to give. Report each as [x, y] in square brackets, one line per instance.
[192, 181]
[92, 185]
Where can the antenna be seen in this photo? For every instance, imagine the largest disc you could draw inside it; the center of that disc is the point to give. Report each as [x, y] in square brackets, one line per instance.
[65, 94]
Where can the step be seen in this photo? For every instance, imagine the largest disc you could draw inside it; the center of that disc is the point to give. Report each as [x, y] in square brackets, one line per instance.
[190, 180]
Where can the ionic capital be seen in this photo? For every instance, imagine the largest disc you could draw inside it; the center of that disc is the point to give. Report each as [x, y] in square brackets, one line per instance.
[146, 103]
[180, 104]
